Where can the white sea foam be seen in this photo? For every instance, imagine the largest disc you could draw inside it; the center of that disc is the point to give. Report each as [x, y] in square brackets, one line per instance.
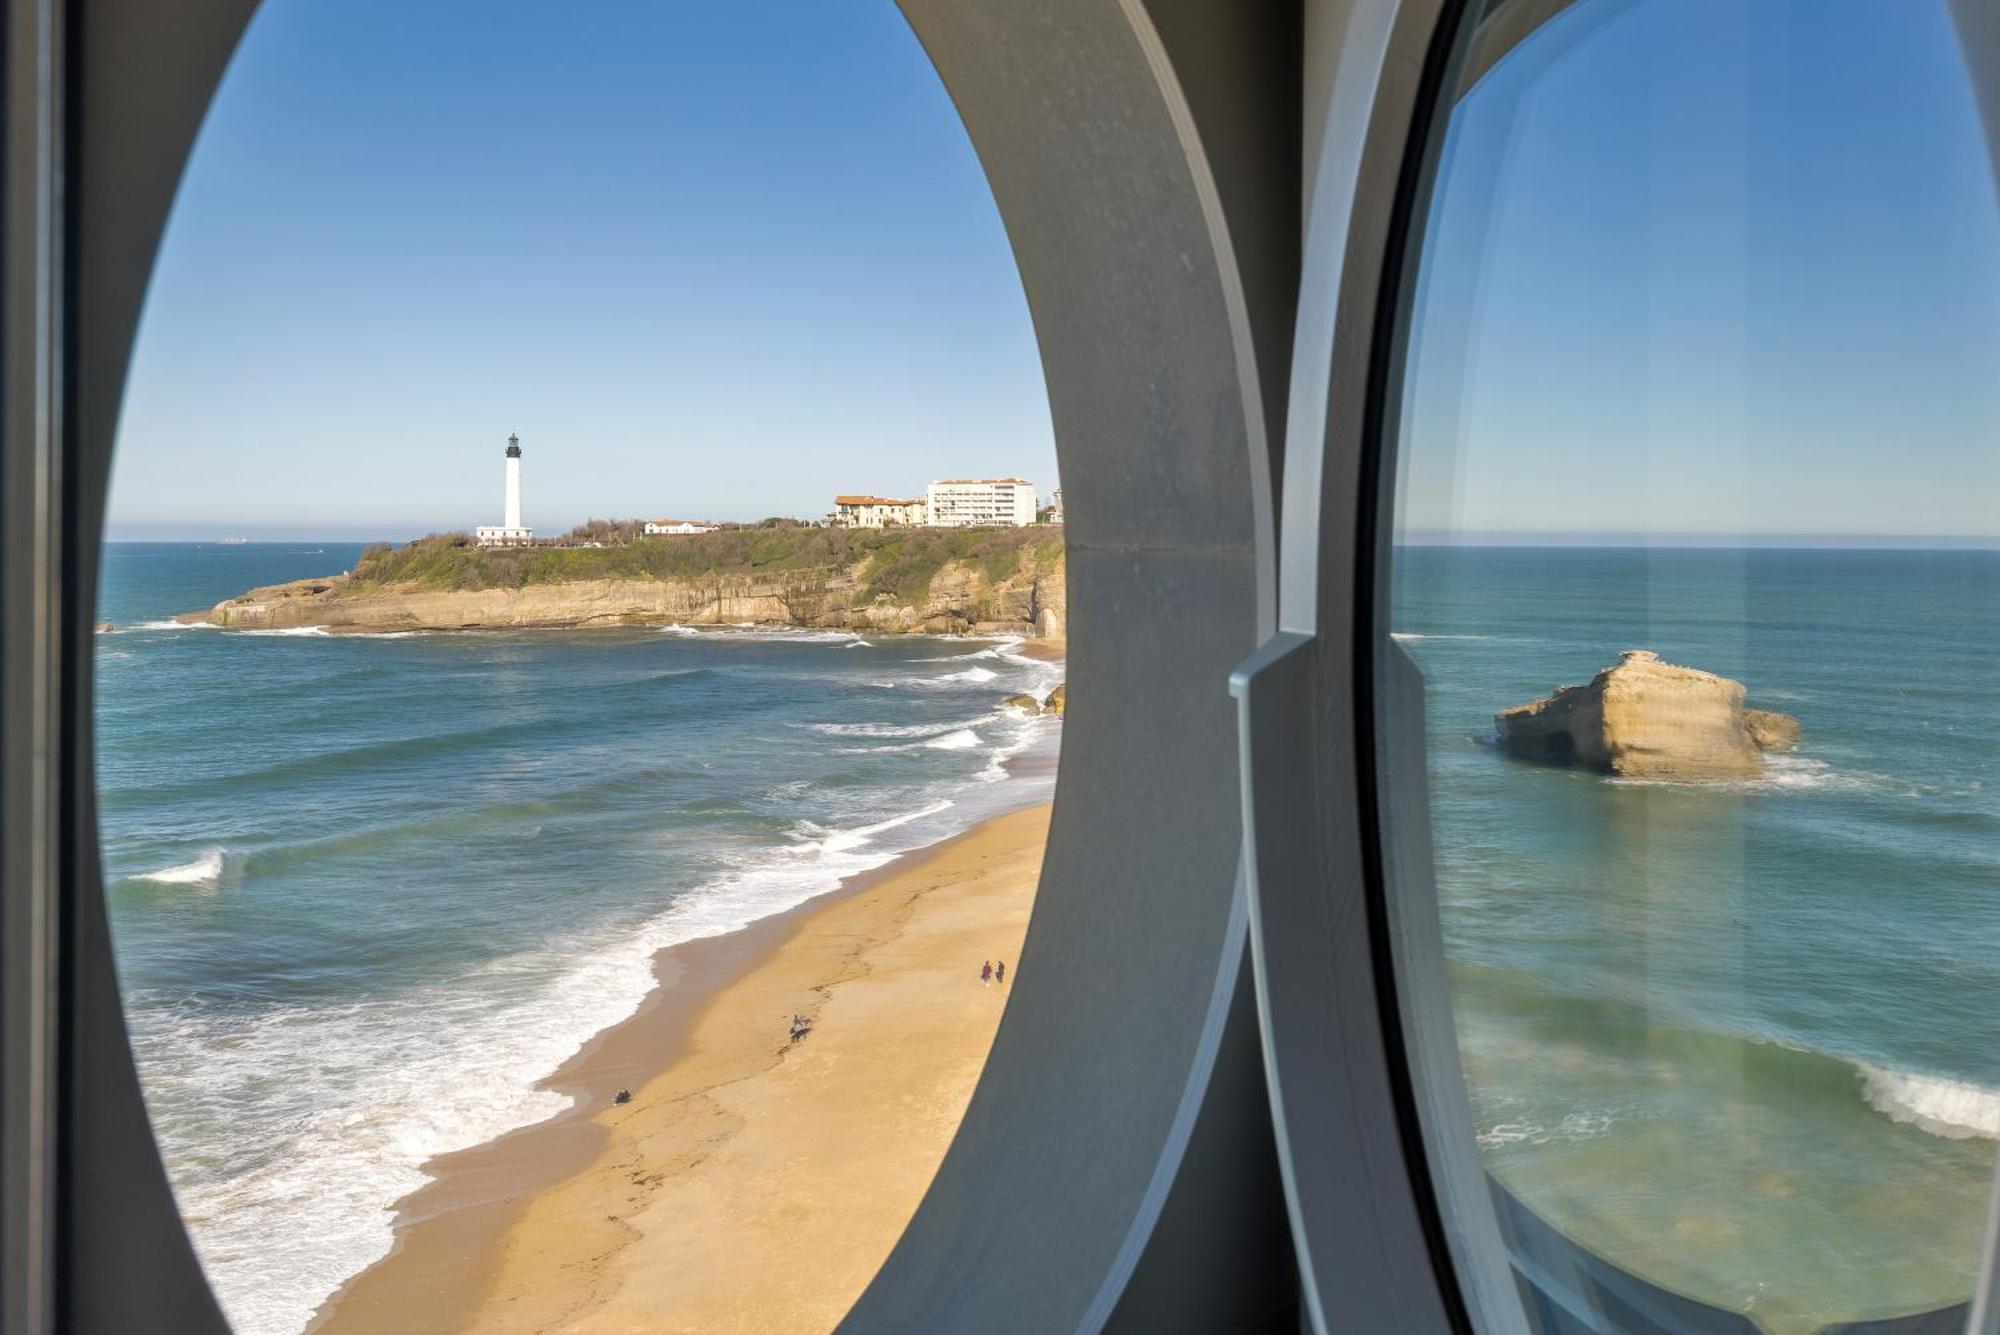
[1806, 773]
[1573, 1127]
[367, 1093]
[205, 870]
[1000, 650]
[1782, 774]
[891, 729]
[846, 841]
[1953, 1109]
[174, 625]
[295, 632]
[973, 675]
[750, 630]
[959, 736]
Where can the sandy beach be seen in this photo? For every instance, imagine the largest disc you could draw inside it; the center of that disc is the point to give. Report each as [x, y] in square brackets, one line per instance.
[750, 1184]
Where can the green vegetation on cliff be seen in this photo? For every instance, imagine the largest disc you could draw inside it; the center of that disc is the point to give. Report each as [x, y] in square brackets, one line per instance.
[897, 562]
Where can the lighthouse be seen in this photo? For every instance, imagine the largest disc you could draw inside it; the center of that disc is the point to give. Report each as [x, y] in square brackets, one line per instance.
[511, 533]
[513, 482]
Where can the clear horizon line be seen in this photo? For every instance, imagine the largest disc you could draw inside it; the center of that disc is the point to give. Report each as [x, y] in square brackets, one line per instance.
[1419, 538]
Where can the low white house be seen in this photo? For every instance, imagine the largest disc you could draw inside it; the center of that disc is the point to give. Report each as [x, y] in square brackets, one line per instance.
[655, 527]
[1007, 502]
[878, 512]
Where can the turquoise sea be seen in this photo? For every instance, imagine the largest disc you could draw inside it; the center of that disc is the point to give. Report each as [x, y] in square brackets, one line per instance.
[367, 890]
[1739, 1038]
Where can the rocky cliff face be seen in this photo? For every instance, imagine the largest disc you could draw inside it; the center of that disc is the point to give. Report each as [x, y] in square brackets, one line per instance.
[1642, 718]
[960, 599]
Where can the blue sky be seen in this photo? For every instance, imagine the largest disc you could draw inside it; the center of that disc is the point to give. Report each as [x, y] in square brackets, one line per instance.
[1712, 271]
[709, 260]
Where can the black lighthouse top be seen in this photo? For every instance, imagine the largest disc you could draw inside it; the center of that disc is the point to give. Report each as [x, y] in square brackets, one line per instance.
[513, 447]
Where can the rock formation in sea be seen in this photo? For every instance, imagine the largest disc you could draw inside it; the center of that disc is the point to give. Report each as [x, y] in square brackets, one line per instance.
[1028, 704]
[1642, 718]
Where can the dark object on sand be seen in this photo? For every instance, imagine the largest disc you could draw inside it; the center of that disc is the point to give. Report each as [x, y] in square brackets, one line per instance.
[622, 1096]
[801, 1026]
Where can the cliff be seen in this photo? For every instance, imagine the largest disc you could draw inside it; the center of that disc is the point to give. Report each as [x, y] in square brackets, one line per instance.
[933, 581]
[1642, 718]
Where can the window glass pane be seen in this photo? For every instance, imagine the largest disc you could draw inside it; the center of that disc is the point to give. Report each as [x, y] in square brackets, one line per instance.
[1691, 602]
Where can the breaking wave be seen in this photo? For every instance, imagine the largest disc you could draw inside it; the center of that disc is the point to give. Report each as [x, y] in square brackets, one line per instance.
[205, 870]
[1953, 1109]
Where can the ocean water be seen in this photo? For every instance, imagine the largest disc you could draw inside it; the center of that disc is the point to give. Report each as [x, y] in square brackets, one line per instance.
[367, 890]
[1738, 1037]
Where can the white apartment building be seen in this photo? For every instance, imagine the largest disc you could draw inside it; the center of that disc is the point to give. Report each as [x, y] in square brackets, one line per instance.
[656, 527]
[965, 502]
[878, 512]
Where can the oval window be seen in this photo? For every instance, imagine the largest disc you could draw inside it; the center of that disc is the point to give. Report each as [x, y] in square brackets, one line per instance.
[1685, 717]
[503, 895]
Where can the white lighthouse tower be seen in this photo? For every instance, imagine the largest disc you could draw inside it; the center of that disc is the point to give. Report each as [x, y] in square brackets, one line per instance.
[511, 533]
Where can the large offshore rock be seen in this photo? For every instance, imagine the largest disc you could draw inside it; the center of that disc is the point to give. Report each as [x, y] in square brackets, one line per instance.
[1642, 718]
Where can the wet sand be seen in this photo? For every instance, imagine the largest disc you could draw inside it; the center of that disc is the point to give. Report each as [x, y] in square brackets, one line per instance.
[751, 1184]
[1049, 648]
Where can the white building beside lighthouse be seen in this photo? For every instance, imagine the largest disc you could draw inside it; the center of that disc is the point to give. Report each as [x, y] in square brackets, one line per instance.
[511, 533]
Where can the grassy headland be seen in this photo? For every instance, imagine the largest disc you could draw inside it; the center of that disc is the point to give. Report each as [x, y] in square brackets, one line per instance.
[900, 563]
[775, 573]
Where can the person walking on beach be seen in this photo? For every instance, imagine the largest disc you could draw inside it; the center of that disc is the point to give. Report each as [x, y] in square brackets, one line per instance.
[1000, 973]
[986, 974]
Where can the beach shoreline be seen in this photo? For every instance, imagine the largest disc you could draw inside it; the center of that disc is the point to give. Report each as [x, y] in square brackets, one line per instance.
[528, 1228]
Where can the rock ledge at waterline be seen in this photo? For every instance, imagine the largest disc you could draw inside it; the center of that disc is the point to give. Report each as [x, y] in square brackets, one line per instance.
[929, 581]
[1644, 719]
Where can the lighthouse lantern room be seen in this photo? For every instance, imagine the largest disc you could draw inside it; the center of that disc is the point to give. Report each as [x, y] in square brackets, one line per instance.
[511, 533]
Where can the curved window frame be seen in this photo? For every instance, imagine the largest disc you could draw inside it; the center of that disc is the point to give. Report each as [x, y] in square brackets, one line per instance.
[1360, 1042]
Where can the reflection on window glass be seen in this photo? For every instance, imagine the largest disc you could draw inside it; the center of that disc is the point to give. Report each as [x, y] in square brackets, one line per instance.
[509, 901]
[1697, 551]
